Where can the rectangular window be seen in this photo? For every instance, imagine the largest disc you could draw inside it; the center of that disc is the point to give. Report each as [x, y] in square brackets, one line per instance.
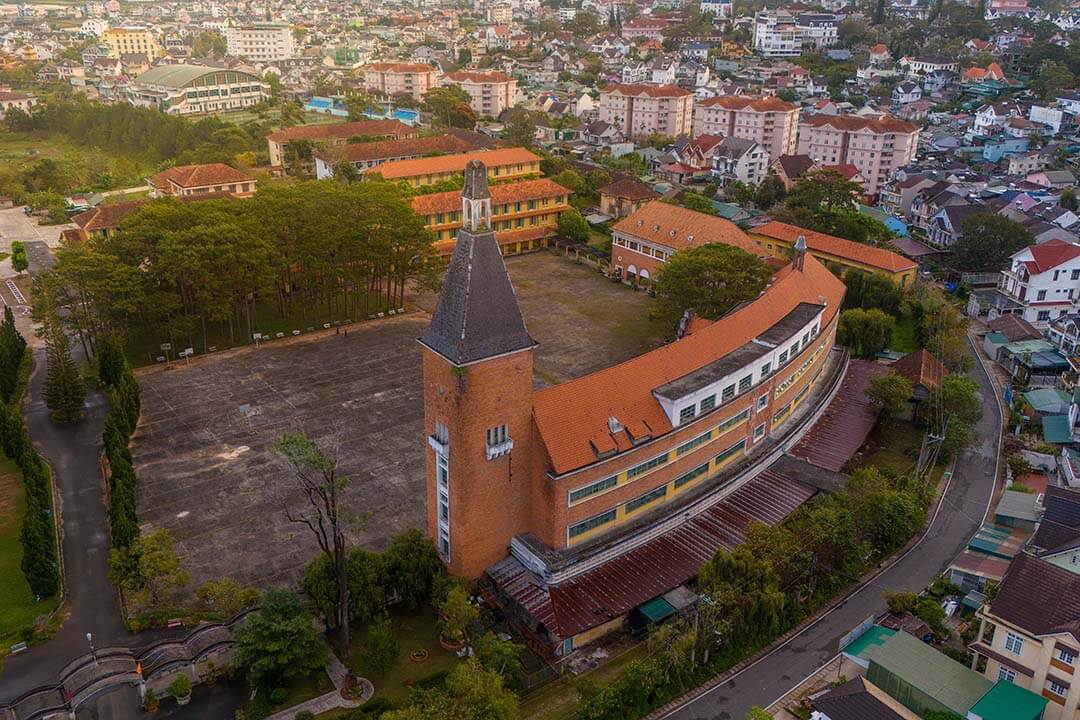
[592, 489]
[1066, 656]
[496, 435]
[781, 414]
[806, 338]
[783, 357]
[691, 476]
[1058, 689]
[814, 331]
[733, 421]
[731, 451]
[646, 466]
[1014, 643]
[687, 414]
[745, 383]
[728, 394]
[1075, 275]
[1043, 316]
[794, 350]
[695, 443]
[1041, 295]
[643, 500]
[766, 370]
[708, 404]
[591, 524]
[1006, 674]
[759, 431]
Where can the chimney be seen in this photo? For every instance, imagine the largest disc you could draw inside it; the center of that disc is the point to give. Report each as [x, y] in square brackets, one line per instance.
[799, 256]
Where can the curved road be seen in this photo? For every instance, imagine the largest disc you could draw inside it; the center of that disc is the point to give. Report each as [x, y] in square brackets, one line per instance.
[961, 513]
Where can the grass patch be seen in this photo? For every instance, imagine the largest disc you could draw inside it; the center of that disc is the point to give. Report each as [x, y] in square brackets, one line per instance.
[892, 446]
[18, 610]
[92, 169]
[126, 197]
[557, 700]
[415, 630]
[903, 336]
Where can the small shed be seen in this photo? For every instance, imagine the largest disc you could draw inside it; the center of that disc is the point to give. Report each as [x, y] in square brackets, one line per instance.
[923, 370]
[993, 342]
[1046, 401]
[1057, 430]
[1017, 510]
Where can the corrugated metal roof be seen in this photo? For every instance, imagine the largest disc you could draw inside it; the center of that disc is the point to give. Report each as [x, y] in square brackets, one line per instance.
[850, 417]
[1007, 701]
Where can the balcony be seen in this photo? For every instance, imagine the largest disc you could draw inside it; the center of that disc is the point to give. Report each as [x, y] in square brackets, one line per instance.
[499, 449]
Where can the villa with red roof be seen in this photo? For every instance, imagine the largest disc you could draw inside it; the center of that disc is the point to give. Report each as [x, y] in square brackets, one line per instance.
[1041, 282]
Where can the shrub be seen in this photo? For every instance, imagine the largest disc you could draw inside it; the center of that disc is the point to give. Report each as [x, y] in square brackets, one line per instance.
[378, 705]
[181, 686]
[304, 715]
[382, 646]
[433, 680]
[278, 696]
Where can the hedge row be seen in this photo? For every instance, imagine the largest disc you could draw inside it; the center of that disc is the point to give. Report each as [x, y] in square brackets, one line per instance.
[40, 561]
[123, 392]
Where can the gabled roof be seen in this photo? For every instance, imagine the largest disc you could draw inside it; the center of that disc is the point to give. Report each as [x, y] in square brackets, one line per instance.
[397, 169]
[628, 188]
[1039, 597]
[654, 91]
[921, 368]
[856, 252]
[1052, 253]
[854, 123]
[748, 102]
[342, 131]
[679, 228]
[795, 165]
[506, 193]
[401, 67]
[860, 699]
[396, 148]
[192, 176]
[1014, 328]
[477, 315]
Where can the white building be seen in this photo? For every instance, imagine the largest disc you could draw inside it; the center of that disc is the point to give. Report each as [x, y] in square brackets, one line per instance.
[1044, 281]
[260, 42]
[719, 8]
[780, 34]
[739, 159]
[93, 27]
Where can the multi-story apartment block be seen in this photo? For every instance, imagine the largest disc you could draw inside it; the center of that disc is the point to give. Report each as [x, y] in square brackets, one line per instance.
[489, 92]
[524, 215]
[819, 30]
[638, 110]
[527, 490]
[768, 121]
[196, 90]
[260, 42]
[501, 164]
[414, 79]
[644, 28]
[719, 8]
[1041, 283]
[877, 147]
[1029, 634]
[500, 13]
[127, 40]
[644, 240]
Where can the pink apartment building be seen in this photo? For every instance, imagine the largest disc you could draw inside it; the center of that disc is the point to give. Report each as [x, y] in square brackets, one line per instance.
[413, 79]
[489, 92]
[770, 122]
[877, 147]
[638, 110]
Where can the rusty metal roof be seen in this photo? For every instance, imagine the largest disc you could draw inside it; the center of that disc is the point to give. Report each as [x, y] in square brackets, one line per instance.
[841, 431]
[623, 583]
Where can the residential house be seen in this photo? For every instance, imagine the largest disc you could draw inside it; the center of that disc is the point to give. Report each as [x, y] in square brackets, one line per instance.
[906, 92]
[1043, 281]
[623, 197]
[739, 159]
[1053, 179]
[184, 180]
[945, 226]
[789, 168]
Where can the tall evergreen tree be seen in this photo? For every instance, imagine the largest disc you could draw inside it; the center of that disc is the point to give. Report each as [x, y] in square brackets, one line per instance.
[65, 391]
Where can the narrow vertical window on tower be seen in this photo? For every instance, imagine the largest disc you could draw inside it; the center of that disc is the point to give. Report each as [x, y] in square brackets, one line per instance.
[498, 441]
[441, 447]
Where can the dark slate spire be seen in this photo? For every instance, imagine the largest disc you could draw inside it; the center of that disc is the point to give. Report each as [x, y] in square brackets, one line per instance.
[477, 316]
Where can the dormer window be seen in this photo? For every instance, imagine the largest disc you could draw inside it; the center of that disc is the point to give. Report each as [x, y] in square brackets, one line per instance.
[687, 414]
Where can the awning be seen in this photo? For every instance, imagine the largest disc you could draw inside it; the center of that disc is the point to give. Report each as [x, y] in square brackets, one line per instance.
[656, 610]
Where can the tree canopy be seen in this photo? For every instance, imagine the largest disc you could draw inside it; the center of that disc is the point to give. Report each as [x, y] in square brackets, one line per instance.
[987, 240]
[710, 279]
[278, 642]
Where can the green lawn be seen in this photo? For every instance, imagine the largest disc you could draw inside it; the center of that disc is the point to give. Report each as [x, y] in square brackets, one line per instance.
[557, 700]
[21, 150]
[415, 630]
[17, 607]
[903, 336]
[892, 446]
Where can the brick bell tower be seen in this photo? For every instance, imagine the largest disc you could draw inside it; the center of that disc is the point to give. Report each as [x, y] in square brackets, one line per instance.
[478, 363]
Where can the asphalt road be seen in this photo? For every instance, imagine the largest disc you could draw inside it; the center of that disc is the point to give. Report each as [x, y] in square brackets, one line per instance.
[960, 515]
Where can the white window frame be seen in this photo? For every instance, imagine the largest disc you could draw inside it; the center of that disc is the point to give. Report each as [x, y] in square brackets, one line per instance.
[1006, 673]
[1014, 643]
[1056, 688]
[1066, 655]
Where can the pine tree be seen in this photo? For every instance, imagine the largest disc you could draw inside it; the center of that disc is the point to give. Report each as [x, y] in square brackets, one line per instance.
[111, 360]
[12, 350]
[65, 391]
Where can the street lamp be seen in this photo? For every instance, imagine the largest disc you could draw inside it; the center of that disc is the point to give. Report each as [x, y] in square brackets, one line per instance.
[90, 639]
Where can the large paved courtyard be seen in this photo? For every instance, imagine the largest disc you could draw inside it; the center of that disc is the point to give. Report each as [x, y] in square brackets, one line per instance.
[205, 449]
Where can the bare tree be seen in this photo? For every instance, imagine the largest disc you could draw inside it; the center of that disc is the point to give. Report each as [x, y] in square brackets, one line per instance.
[316, 473]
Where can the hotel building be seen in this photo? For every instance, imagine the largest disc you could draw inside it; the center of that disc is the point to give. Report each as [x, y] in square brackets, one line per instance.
[541, 492]
[129, 40]
[489, 92]
[637, 110]
[877, 147]
[260, 42]
[413, 79]
[770, 122]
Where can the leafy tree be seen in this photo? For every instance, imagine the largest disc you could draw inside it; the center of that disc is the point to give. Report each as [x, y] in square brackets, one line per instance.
[12, 353]
[457, 614]
[450, 107]
[1052, 80]
[315, 471]
[470, 693]
[413, 567]
[890, 392]
[885, 513]
[901, 602]
[756, 713]
[381, 648]
[65, 392]
[19, 260]
[987, 240]
[872, 290]
[227, 596]
[366, 573]
[739, 193]
[573, 226]
[112, 363]
[697, 202]
[520, 128]
[278, 643]
[710, 279]
[866, 332]
[500, 656]
[770, 191]
[744, 590]
[149, 570]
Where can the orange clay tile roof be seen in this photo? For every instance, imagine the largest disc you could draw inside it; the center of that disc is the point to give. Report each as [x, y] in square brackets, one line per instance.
[572, 415]
[106, 217]
[748, 102]
[478, 77]
[852, 123]
[401, 67]
[628, 188]
[397, 169]
[839, 247]
[655, 91]
[678, 228]
[342, 131]
[188, 176]
[396, 148]
[504, 237]
[921, 368]
[505, 193]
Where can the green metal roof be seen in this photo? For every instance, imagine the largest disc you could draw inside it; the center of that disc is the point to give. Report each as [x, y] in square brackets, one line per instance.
[874, 636]
[998, 338]
[656, 609]
[1006, 701]
[1048, 399]
[932, 673]
[178, 76]
[1056, 429]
